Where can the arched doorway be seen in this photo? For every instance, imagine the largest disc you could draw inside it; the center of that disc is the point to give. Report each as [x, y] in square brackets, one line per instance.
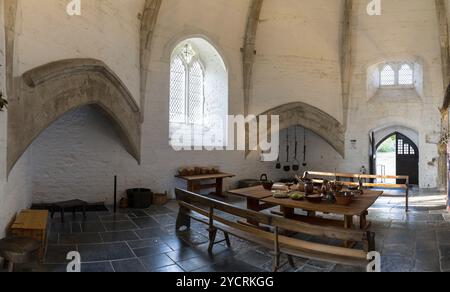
[398, 155]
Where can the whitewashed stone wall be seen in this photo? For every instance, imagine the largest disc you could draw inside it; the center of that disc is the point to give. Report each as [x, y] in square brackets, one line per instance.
[15, 191]
[297, 60]
[107, 30]
[406, 30]
[79, 155]
[298, 56]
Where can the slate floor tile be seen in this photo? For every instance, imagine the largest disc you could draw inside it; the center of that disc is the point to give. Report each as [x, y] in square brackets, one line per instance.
[92, 227]
[104, 252]
[145, 222]
[154, 262]
[152, 250]
[128, 266]
[169, 269]
[57, 254]
[120, 226]
[100, 267]
[80, 238]
[118, 236]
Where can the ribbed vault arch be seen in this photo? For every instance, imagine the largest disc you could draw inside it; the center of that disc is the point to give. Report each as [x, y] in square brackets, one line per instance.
[47, 92]
[314, 119]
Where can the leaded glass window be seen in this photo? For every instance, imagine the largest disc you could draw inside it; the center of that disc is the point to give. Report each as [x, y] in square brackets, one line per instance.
[405, 75]
[186, 88]
[387, 76]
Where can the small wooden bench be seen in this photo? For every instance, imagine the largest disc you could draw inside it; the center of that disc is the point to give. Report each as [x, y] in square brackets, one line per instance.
[348, 179]
[72, 205]
[210, 212]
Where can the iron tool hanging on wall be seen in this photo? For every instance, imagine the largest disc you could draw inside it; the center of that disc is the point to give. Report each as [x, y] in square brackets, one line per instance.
[296, 165]
[304, 148]
[287, 167]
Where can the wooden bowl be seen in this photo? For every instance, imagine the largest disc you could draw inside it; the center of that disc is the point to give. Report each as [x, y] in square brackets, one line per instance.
[315, 199]
[344, 200]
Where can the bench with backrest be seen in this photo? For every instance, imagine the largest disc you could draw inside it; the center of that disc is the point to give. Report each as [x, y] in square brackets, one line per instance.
[351, 179]
[217, 214]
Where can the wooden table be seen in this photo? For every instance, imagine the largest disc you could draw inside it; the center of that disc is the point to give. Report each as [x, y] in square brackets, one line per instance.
[32, 224]
[194, 182]
[254, 197]
[259, 199]
[359, 207]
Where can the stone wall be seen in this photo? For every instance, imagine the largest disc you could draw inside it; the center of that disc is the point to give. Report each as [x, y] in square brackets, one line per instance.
[407, 30]
[15, 190]
[297, 61]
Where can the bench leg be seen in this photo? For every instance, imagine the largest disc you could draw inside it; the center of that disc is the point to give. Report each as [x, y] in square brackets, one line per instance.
[276, 262]
[183, 221]
[212, 239]
[227, 239]
[291, 261]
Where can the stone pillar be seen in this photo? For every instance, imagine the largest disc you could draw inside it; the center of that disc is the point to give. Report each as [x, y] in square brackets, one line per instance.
[442, 147]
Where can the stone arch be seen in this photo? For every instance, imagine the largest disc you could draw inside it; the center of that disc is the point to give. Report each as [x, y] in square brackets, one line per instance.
[47, 92]
[314, 119]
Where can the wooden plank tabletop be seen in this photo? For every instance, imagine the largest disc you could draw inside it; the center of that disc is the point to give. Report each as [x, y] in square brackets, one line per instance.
[205, 176]
[31, 220]
[357, 208]
[257, 192]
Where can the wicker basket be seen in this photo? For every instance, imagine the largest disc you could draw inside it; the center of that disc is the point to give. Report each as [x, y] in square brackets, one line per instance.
[160, 199]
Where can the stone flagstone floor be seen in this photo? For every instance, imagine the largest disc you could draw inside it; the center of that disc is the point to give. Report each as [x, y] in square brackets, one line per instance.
[145, 241]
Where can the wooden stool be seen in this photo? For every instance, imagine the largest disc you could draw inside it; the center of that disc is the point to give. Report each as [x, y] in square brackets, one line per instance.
[73, 204]
[18, 250]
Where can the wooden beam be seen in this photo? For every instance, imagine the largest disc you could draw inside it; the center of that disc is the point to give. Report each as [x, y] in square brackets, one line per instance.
[148, 22]
[249, 49]
[346, 56]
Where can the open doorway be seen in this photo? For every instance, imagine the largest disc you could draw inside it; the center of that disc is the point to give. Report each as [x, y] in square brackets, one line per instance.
[398, 155]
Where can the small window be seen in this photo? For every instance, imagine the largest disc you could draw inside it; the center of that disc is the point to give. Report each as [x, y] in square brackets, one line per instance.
[405, 75]
[400, 147]
[387, 76]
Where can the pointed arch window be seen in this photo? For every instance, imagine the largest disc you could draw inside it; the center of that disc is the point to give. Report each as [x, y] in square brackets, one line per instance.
[397, 75]
[405, 75]
[387, 77]
[186, 87]
[198, 105]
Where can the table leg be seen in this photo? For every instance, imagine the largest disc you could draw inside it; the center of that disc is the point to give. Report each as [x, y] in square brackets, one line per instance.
[191, 186]
[253, 204]
[363, 221]
[348, 224]
[287, 212]
[219, 187]
[62, 215]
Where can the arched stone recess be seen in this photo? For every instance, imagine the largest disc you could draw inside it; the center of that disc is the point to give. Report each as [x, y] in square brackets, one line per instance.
[48, 92]
[314, 119]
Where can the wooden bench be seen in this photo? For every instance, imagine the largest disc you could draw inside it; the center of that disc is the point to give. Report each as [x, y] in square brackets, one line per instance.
[351, 179]
[211, 212]
[72, 205]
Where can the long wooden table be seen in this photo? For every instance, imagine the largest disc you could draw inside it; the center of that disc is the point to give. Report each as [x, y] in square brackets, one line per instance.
[259, 199]
[194, 182]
